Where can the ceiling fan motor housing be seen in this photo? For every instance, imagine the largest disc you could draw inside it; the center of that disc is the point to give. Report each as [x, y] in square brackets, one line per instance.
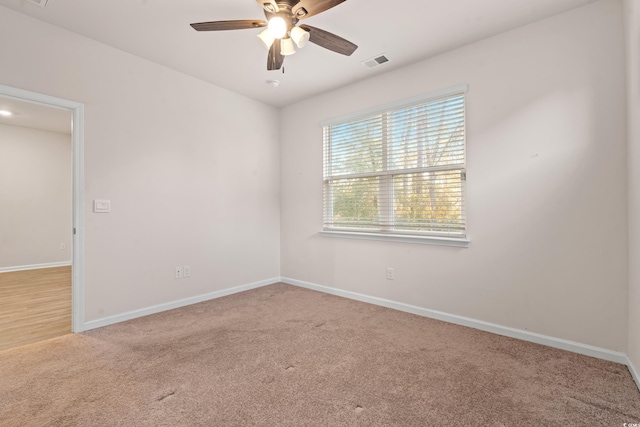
[270, 6]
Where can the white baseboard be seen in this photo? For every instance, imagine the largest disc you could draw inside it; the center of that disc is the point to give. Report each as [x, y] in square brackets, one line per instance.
[123, 317]
[35, 266]
[575, 347]
[634, 372]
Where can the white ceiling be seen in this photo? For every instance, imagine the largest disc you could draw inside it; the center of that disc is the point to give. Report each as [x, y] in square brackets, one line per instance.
[407, 31]
[35, 116]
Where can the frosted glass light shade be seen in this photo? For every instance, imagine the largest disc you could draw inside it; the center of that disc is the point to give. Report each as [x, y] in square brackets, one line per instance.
[287, 47]
[278, 27]
[300, 36]
[266, 38]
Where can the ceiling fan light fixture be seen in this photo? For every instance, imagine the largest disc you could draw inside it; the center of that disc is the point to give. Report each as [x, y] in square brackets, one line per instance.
[286, 47]
[278, 27]
[266, 38]
[300, 36]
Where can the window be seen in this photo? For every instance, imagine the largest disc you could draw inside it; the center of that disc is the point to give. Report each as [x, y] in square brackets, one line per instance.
[398, 171]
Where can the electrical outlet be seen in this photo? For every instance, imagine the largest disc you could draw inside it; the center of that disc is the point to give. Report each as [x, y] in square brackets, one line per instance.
[391, 274]
[179, 272]
[187, 271]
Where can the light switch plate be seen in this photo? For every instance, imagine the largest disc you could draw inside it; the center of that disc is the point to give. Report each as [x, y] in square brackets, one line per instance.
[102, 206]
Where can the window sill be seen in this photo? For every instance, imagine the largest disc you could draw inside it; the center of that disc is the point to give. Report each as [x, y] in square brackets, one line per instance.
[423, 240]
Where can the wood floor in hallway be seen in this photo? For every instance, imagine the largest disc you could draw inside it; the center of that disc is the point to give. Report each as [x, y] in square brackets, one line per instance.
[35, 305]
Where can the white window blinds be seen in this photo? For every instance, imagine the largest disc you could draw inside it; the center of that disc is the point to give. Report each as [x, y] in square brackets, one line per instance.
[399, 171]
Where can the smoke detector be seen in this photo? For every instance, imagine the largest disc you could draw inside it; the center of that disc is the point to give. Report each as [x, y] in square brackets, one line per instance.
[273, 83]
[375, 61]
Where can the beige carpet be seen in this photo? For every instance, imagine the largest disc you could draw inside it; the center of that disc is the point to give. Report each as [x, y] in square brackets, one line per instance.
[285, 356]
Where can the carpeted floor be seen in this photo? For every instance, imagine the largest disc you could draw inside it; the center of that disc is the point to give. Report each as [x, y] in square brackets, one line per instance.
[286, 356]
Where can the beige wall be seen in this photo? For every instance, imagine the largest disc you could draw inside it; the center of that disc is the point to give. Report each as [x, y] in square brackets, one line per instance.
[547, 209]
[632, 25]
[192, 170]
[35, 196]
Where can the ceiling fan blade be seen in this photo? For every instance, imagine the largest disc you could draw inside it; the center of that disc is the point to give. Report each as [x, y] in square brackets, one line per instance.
[228, 25]
[275, 58]
[307, 8]
[329, 41]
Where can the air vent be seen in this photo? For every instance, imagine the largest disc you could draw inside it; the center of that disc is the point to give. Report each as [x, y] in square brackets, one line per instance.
[41, 3]
[374, 62]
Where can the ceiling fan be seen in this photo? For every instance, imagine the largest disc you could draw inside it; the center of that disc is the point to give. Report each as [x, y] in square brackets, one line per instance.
[282, 30]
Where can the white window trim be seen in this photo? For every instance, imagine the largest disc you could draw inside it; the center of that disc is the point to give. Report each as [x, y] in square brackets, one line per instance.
[462, 242]
[424, 240]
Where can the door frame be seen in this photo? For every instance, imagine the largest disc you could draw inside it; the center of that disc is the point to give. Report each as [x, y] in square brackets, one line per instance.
[77, 135]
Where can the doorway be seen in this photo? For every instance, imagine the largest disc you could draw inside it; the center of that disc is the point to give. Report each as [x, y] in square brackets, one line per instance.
[52, 272]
